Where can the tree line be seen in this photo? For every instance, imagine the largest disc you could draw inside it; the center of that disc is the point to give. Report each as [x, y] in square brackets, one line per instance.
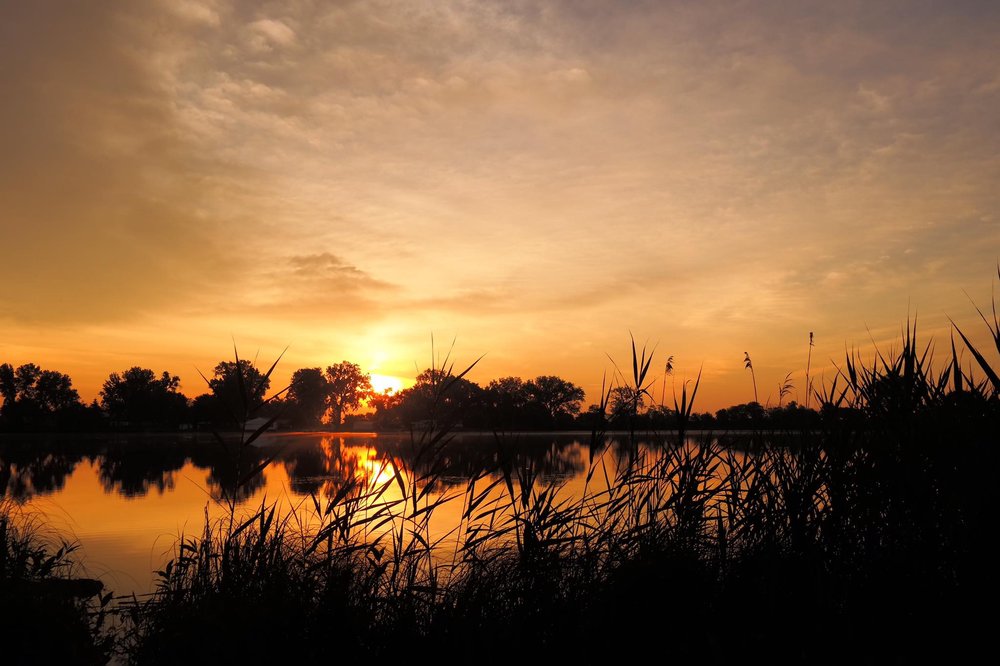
[140, 399]
[340, 395]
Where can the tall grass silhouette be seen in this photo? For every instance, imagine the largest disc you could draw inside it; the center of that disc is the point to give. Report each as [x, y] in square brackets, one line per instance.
[48, 612]
[748, 364]
[808, 367]
[869, 534]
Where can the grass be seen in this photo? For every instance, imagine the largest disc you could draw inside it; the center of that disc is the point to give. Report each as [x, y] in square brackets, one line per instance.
[748, 364]
[867, 539]
[48, 614]
[809, 386]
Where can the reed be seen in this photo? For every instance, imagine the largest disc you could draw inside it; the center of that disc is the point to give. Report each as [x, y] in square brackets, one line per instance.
[809, 356]
[869, 533]
[748, 364]
[785, 388]
[49, 613]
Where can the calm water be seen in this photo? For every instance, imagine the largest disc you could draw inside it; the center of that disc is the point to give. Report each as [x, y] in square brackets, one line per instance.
[126, 499]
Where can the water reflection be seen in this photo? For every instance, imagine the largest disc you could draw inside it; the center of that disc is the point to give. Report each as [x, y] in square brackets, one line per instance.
[131, 471]
[312, 462]
[321, 465]
[229, 469]
[33, 468]
[126, 499]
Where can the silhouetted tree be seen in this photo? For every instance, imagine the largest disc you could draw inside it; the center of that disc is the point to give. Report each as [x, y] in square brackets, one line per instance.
[792, 416]
[347, 386]
[8, 384]
[626, 402]
[205, 410]
[509, 403]
[35, 398]
[239, 387]
[82, 418]
[54, 391]
[307, 397]
[560, 398]
[747, 415]
[441, 398]
[141, 399]
[506, 399]
[386, 405]
[508, 393]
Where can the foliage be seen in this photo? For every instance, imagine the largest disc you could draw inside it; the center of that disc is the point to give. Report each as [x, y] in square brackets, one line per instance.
[47, 614]
[238, 385]
[137, 398]
[386, 405]
[748, 364]
[865, 532]
[34, 398]
[510, 404]
[307, 397]
[561, 399]
[346, 388]
[874, 532]
[626, 403]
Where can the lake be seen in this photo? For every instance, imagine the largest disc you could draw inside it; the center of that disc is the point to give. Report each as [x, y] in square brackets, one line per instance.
[126, 499]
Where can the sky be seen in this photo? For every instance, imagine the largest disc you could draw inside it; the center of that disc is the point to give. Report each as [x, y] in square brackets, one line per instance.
[532, 181]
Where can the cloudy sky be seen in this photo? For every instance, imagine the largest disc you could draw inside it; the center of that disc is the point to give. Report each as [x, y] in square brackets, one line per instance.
[532, 179]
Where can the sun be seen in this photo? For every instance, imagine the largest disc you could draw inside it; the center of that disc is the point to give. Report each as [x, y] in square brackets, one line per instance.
[382, 382]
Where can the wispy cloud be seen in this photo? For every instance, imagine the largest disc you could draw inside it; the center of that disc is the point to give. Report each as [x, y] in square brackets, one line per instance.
[672, 166]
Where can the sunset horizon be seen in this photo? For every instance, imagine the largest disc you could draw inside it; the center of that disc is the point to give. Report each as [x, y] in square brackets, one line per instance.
[537, 183]
[595, 331]
[724, 381]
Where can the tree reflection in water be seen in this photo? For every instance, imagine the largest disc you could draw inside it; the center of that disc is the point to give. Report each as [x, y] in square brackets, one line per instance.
[132, 466]
[321, 464]
[131, 471]
[33, 467]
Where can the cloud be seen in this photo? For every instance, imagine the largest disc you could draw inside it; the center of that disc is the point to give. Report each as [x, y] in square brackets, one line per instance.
[675, 165]
[196, 12]
[101, 220]
[312, 288]
[274, 30]
[324, 272]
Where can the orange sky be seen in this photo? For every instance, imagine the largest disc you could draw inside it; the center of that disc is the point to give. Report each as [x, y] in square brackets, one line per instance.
[533, 179]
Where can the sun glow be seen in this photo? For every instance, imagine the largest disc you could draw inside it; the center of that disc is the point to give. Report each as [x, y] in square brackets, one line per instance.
[373, 468]
[381, 383]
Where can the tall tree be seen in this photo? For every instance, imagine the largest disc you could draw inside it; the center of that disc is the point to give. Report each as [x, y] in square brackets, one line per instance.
[560, 398]
[626, 402]
[18, 384]
[8, 384]
[32, 396]
[509, 404]
[240, 387]
[386, 405]
[54, 391]
[307, 395]
[142, 398]
[347, 387]
[443, 398]
[507, 394]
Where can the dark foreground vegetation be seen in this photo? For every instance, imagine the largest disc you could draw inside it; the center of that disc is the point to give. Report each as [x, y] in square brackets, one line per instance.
[48, 614]
[863, 538]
